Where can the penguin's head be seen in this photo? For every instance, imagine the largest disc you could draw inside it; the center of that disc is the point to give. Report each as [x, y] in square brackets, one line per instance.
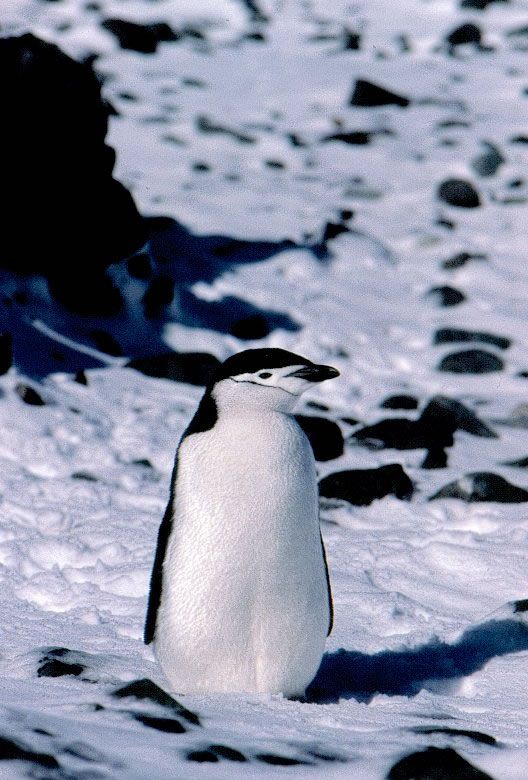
[266, 378]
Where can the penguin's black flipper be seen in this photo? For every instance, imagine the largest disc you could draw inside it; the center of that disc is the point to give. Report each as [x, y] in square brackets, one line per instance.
[157, 568]
[330, 599]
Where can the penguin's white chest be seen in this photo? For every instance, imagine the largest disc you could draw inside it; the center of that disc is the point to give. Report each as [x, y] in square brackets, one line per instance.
[244, 604]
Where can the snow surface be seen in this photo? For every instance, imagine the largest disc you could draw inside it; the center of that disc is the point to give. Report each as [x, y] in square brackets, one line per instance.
[414, 582]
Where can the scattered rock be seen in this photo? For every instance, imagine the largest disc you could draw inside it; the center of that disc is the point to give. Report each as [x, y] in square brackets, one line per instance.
[193, 368]
[29, 395]
[254, 326]
[146, 689]
[476, 736]
[355, 138]
[471, 361]
[352, 40]
[460, 193]
[275, 760]
[448, 410]
[458, 335]
[400, 402]
[81, 378]
[84, 475]
[202, 756]
[521, 463]
[6, 352]
[204, 125]
[228, 753]
[158, 296]
[166, 725]
[332, 230]
[489, 162]
[13, 751]
[483, 486]
[361, 487]
[143, 38]
[459, 260]
[105, 342]
[466, 33]
[56, 668]
[446, 295]
[367, 95]
[480, 5]
[324, 435]
[92, 294]
[62, 210]
[435, 764]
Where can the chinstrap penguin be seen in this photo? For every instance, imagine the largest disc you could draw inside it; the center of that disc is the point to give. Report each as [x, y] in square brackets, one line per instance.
[240, 596]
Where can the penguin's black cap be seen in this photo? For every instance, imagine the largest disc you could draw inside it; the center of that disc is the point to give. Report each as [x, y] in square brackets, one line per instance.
[252, 360]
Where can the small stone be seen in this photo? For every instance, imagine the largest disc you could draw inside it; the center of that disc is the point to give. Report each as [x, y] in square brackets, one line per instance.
[29, 395]
[56, 668]
[146, 689]
[459, 193]
[435, 764]
[483, 486]
[400, 402]
[446, 295]
[203, 756]
[361, 487]
[13, 751]
[143, 38]
[165, 725]
[489, 162]
[479, 5]
[471, 361]
[275, 760]
[459, 260]
[230, 754]
[324, 435]
[466, 33]
[458, 335]
[367, 95]
[354, 138]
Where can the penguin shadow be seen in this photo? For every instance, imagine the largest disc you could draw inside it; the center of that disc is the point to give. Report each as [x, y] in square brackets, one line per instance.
[346, 674]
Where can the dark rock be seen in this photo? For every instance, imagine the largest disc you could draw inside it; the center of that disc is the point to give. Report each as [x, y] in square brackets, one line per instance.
[61, 208]
[193, 368]
[457, 192]
[324, 435]
[457, 335]
[105, 342]
[13, 751]
[6, 352]
[435, 764]
[158, 296]
[489, 162]
[55, 668]
[457, 261]
[139, 37]
[146, 689]
[480, 5]
[452, 412]
[29, 395]
[166, 725]
[317, 754]
[355, 138]
[92, 294]
[275, 760]
[519, 139]
[81, 378]
[400, 402]
[466, 33]
[277, 164]
[522, 463]
[254, 326]
[436, 458]
[483, 486]
[471, 361]
[447, 296]
[255, 13]
[332, 230]
[520, 606]
[476, 736]
[139, 266]
[85, 476]
[230, 754]
[352, 41]
[350, 420]
[202, 756]
[367, 94]
[361, 486]
[204, 125]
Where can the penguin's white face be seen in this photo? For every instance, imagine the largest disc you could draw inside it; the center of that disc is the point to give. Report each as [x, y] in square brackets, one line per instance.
[270, 388]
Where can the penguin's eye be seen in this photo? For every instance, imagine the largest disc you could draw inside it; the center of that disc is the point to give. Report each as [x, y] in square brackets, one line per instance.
[264, 375]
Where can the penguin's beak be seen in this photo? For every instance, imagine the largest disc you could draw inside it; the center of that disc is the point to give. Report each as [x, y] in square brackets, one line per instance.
[315, 373]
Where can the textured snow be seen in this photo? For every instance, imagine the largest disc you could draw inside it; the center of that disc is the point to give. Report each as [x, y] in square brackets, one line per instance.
[419, 587]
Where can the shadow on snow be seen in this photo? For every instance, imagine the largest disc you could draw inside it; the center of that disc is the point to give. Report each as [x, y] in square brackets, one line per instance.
[350, 675]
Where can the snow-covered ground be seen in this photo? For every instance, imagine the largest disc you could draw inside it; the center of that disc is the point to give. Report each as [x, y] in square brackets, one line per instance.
[227, 130]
